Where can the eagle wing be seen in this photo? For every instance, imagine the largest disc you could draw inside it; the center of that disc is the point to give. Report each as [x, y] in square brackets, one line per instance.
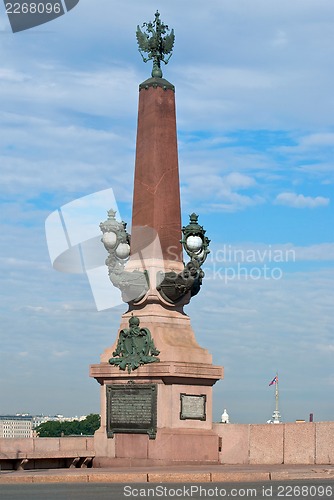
[142, 40]
[168, 43]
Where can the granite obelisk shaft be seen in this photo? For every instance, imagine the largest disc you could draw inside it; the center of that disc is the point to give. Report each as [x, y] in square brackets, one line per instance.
[156, 200]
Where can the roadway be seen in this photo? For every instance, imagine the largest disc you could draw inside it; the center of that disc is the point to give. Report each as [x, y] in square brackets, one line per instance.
[305, 489]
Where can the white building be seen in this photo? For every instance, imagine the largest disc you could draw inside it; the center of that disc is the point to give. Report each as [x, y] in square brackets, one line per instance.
[225, 418]
[41, 419]
[16, 426]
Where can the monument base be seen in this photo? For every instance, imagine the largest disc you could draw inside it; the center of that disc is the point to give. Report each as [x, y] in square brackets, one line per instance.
[171, 447]
[180, 429]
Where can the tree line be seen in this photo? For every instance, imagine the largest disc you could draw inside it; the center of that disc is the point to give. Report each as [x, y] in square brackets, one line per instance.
[85, 427]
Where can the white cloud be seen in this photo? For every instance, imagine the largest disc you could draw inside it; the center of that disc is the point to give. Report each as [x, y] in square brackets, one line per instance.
[12, 76]
[301, 201]
[326, 348]
[236, 180]
[218, 193]
[233, 202]
[60, 354]
[316, 140]
[23, 354]
[320, 252]
[251, 252]
[38, 309]
[310, 143]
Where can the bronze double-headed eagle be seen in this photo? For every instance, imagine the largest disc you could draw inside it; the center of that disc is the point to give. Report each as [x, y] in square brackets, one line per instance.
[157, 43]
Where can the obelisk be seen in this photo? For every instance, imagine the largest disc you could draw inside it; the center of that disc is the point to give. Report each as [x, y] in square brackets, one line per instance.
[156, 199]
[156, 381]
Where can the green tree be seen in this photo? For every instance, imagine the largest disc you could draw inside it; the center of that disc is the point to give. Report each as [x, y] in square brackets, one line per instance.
[77, 428]
[91, 423]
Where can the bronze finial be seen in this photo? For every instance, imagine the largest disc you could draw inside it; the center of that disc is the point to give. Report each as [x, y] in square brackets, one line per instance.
[156, 42]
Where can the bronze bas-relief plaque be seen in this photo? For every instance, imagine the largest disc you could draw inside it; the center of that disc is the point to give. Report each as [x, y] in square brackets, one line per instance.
[132, 408]
[193, 406]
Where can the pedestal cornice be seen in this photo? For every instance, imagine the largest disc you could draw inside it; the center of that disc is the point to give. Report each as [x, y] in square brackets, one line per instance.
[156, 82]
[168, 371]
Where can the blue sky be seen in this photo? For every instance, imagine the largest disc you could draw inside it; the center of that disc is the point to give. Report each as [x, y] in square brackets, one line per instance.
[255, 107]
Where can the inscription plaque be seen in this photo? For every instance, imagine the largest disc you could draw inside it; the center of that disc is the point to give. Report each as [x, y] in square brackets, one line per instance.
[193, 406]
[132, 408]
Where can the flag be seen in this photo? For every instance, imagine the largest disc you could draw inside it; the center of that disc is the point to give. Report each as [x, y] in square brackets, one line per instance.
[274, 380]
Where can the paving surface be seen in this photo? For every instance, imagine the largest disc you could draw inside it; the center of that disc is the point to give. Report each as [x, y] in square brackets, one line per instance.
[172, 474]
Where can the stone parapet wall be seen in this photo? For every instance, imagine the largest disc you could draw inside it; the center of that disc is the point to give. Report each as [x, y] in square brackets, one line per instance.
[10, 447]
[250, 444]
[290, 443]
[31, 453]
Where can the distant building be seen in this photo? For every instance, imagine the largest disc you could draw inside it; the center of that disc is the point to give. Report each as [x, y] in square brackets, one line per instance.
[23, 425]
[41, 419]
[16, 426]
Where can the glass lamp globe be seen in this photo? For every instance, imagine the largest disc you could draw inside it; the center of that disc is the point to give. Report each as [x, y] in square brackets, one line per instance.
[123, 251]
[194, 243]
[109, 240]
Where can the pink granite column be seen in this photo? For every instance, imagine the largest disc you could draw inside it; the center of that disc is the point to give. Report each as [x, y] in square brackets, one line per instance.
[156, 200]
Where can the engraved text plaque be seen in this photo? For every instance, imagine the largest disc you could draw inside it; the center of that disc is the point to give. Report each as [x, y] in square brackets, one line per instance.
[193, 406]
[132, 408]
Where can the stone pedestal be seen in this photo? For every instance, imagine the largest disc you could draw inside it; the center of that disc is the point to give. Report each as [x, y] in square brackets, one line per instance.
[185, 368]
[177, 440]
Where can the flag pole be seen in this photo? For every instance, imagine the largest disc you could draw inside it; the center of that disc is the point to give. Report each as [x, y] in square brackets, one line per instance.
[276, 414]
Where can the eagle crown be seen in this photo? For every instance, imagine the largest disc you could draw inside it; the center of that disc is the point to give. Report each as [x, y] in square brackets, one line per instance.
[156, 42]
